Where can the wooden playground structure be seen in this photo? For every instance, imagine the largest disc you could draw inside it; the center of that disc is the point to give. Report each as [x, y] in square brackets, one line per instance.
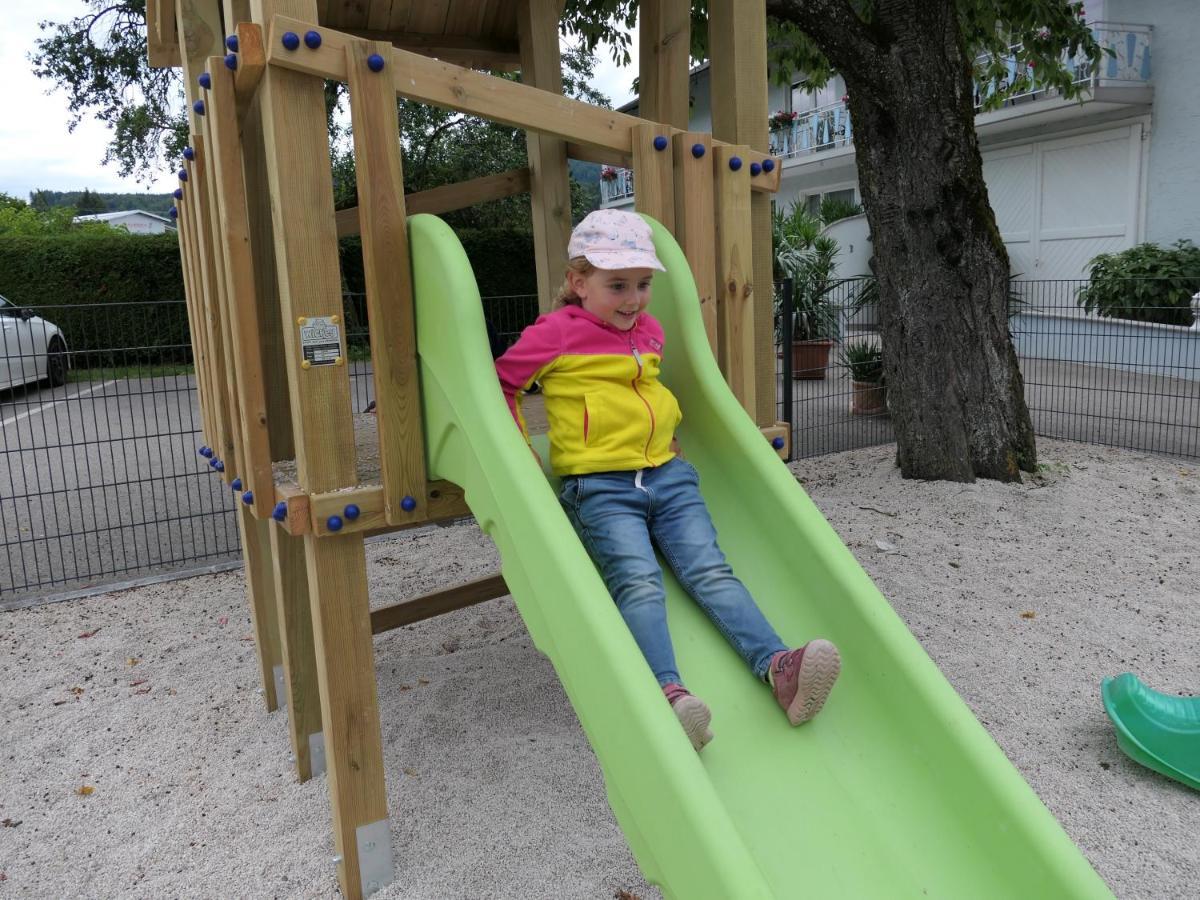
[259, 240]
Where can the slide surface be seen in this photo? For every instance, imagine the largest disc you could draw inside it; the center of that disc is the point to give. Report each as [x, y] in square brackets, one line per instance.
[894, 790]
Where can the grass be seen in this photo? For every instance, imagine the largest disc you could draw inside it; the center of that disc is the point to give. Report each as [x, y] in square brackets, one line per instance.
[110, 373]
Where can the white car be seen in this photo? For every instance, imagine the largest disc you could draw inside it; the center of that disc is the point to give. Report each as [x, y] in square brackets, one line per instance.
[31, 350]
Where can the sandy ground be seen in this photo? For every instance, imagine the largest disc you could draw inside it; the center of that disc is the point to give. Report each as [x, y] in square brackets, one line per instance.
[138, 760]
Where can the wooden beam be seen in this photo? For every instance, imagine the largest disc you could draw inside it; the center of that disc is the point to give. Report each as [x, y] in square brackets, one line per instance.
[735, 285]
[443, 500]
[388, 275]
[664, 37]
[463, 50]
[449, 197]
[694, 220]
[198, 32]
[264, 613]
[550, 183]
[780, 431]
[417, 610]
[252, 62]
[191, 292]
[600, 155]
[654, 171]
[161, 44]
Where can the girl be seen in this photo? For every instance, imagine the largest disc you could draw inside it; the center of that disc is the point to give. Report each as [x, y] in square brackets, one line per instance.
[624, 486]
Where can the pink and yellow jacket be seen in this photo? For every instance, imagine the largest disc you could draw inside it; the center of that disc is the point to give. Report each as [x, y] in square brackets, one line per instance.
[606, 407]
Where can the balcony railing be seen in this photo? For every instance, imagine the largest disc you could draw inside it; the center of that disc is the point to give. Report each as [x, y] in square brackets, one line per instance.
[823, 128]
[618, 187]
[1126, 59]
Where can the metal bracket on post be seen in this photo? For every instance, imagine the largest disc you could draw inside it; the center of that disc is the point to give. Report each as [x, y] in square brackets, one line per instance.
[280, 689]
[316, 753]
[374, 856]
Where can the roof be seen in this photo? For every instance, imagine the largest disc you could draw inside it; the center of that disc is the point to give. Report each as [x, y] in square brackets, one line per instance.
[122, 214]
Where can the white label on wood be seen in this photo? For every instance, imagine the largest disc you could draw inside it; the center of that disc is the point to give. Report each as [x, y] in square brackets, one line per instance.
[320, 341]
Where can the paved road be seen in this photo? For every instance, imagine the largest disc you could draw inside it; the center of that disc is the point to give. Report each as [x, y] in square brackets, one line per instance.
[100, 481]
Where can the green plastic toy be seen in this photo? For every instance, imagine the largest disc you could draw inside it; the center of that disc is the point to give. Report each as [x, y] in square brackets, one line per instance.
[895, 790]
[1160, 731]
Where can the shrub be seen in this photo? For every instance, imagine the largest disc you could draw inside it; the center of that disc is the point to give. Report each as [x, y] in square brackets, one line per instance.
[864, 360]
[1146, 283]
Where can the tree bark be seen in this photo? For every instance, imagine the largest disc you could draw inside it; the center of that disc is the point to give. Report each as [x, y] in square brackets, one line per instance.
[955, 390]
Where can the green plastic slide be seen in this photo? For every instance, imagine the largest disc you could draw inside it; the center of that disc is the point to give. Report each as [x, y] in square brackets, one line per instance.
[1160, 731]
[895, 790]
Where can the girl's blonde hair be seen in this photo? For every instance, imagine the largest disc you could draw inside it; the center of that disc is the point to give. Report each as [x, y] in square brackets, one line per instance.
[566, 294]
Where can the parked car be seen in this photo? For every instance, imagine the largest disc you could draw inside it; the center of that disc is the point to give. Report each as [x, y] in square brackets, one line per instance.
[32, 349]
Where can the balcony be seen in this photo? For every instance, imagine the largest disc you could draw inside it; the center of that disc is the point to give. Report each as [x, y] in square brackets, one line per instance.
[824, 128]
[616, 185]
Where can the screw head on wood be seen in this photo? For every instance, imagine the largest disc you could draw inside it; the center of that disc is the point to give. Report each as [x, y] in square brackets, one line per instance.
[182, 174]
[660, 142]
[231, 61]
[768, 165]
[236, 485]
[735, 163]
[220, 466]
[232, 43]
[375, 62]
[189, 153]
[173, 213]
[279, 513]
[248, 497]
[755, 169]
[198, 107]
[290, 40]
[408, 504]
[205, 80]
[352, 511]
[177, 193]
[777, 443]
[312, 39]
[698, 150]
[334, 523]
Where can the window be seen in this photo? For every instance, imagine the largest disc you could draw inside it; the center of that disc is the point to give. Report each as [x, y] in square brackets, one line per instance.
[812, 202]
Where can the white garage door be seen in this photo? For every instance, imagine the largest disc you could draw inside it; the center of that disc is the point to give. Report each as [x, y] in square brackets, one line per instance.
[1059, 203]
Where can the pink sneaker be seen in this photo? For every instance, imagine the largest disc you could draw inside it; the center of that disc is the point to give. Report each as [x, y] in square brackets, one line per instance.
[692, 712]
[802, 679]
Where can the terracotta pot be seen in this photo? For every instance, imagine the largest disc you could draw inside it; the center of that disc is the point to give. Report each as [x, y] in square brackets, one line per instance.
[870, 399]
[810, 359]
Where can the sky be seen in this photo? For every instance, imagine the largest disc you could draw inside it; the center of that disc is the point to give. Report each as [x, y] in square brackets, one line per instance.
[37, 150]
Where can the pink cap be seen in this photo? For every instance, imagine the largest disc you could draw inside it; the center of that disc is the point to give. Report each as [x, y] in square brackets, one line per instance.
[613, 239]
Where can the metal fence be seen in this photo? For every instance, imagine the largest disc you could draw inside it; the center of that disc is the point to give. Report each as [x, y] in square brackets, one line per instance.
[1128, 378]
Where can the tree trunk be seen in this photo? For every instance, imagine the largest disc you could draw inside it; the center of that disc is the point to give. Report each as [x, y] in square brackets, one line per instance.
[955, 391]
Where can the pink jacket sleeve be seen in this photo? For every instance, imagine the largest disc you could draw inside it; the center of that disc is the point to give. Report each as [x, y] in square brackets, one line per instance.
[526, 361]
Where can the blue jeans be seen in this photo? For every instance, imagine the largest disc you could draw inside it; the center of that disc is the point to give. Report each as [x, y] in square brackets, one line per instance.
[621, 517]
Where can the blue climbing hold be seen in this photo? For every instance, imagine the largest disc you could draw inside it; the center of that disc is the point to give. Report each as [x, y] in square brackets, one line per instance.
[777, 443]
[183, 174]
[660, 142]
[248, 497]
[352, 511]
[768, 165]
[177, 193]
[408, 504]
[755, 168]
[375, 62]
[198, 107]
[279, 513]
[236, 485]
[312, 39]
[290, 40]
[232, 43]
[173, 213]
[189, 153]
[735, 163]
[334, 523]
[698, 150]
[231, 61]
[205, 80]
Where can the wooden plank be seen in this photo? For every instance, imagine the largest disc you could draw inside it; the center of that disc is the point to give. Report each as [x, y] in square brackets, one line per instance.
[444, 84]
[664, 40]
[161, 45]
[738, 50]
[735, 271]
[420, 608]
[235, 462]
[260, 593]
[302, 690]
[243, 306]
[443, 500]
[695, 226]
[191, 292]
[428, 17]
[654, 171]
[252, 62]
[600, 155]
[449, 197]
[198, 32]
[388, 276]
[398, 17]
[472, 53]
[296, 520]
[550, 184]
[781, 431]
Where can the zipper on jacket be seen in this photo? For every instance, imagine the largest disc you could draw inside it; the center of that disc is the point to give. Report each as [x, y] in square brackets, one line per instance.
[637, 357]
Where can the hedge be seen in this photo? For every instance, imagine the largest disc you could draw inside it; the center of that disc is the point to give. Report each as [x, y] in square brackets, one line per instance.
[70, 279]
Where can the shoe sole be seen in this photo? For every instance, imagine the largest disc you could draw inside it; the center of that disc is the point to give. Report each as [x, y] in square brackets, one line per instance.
[819, 669]
[695, 716]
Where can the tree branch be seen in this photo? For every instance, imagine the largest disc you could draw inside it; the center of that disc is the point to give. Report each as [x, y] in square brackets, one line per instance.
[844, 38]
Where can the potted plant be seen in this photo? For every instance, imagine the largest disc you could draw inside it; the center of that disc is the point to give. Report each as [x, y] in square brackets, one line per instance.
[864, 362]
[806, 256]
[782, 119]
[608, 173]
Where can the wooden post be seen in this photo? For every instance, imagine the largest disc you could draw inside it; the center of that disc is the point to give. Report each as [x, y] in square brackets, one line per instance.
[735, 303]
[653, 169]
[195, 303]
[260, 592]
[664, 42]
[694, 223]
[389, 284]
[738, 49]
[550, 193]
[297, 151]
